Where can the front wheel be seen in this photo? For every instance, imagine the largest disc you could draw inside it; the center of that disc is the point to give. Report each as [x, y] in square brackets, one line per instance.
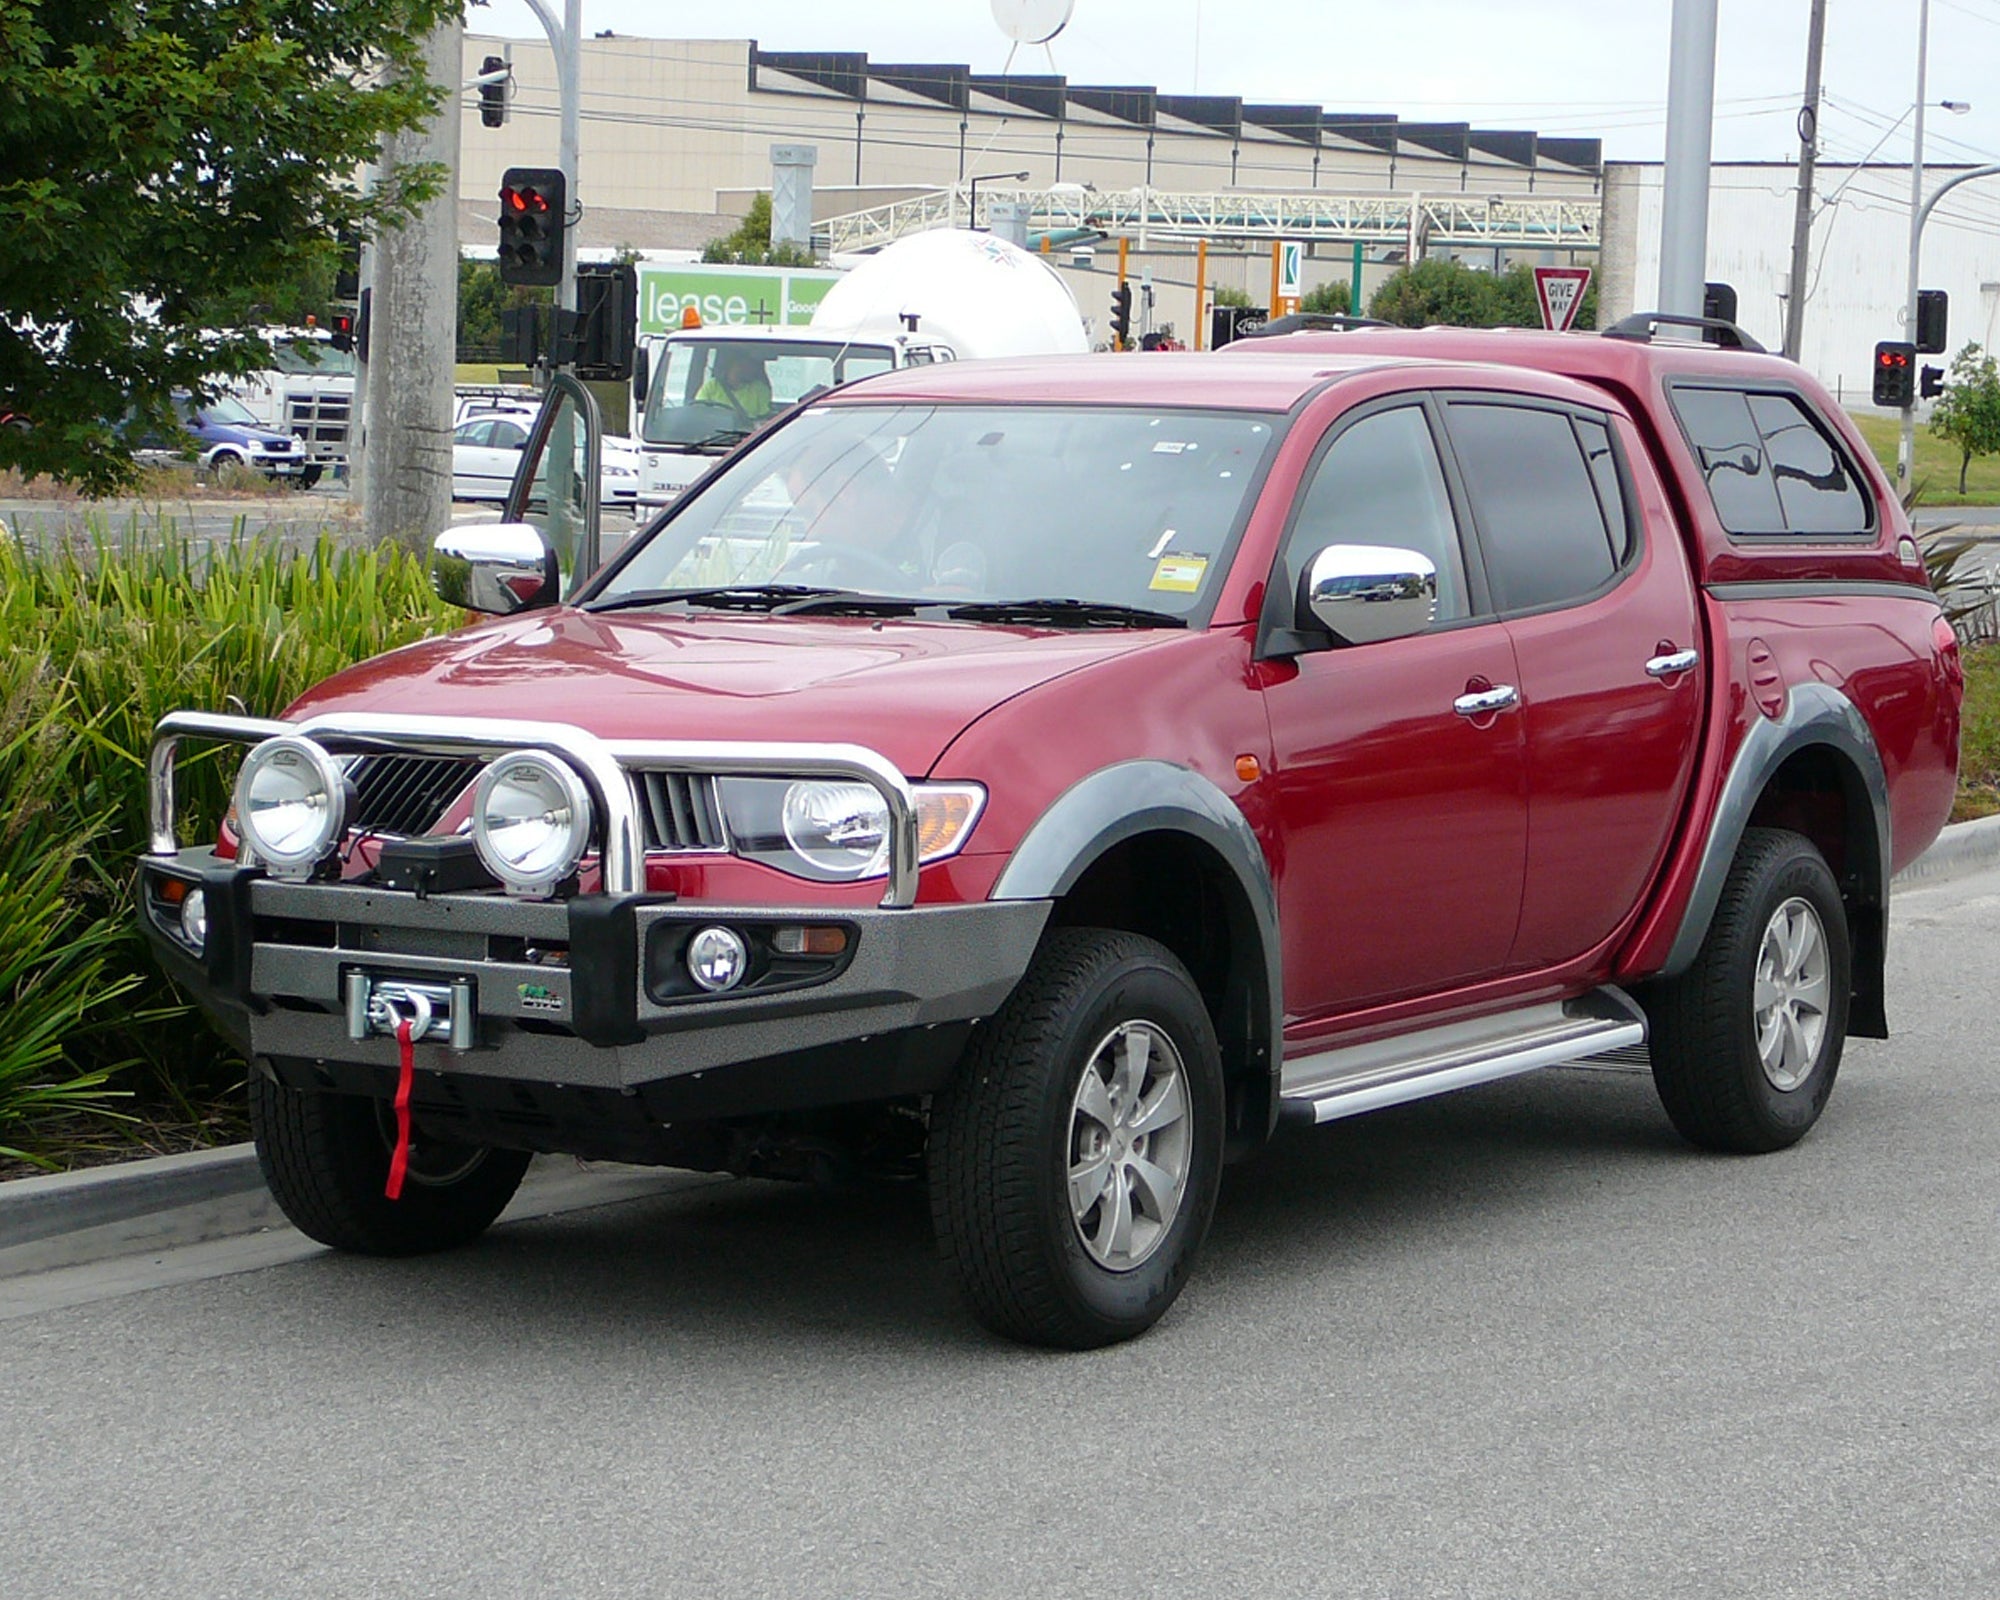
[326, 1159]
[1076, 1155]
[1747, 1042]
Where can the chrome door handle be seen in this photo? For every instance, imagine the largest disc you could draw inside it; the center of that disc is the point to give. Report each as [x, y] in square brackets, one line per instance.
[1483, 703]
[1666, 666]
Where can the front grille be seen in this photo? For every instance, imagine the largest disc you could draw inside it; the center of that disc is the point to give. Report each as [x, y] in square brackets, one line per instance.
[407, 794]
[679, 811]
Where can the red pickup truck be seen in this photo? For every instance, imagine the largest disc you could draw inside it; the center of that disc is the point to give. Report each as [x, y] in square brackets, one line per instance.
[1046, 775]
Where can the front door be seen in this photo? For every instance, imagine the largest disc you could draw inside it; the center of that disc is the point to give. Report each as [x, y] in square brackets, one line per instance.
[1402, 813]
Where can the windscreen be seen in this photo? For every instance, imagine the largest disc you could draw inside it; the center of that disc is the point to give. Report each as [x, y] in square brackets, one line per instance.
[230, 412]
[709, 393]
[972, 503]
[311, 355]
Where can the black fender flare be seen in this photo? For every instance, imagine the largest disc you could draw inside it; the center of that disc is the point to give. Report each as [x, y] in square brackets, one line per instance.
[1131, 798]
[1815, 714]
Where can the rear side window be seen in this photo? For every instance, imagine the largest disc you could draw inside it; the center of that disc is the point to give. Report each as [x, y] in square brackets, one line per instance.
[1770, 465]
[1542, 522]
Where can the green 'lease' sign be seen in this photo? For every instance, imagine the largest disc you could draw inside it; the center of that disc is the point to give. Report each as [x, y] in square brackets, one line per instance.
[733, 297]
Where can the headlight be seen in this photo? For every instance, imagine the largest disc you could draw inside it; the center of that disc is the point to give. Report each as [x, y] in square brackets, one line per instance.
[291, 804]
[833, 830]
[530, 821]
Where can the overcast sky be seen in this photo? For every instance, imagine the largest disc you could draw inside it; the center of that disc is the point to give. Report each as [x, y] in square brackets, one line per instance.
[1579, 67]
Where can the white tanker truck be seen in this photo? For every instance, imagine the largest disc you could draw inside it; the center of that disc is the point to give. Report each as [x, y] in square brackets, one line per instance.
[947, 295]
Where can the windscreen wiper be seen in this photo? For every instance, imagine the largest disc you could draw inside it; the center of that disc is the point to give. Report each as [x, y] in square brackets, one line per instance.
[857, 603]
[1065, 612]
[721, 439]
[720, 597]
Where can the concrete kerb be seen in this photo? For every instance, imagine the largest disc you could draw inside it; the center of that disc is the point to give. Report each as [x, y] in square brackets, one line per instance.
[168, 1202]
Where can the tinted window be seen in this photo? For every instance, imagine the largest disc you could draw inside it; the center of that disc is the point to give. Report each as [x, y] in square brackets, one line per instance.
[1541, 528]
[1771, 468]
[1595, 438]
[1380, 483]
[1816, 490]
[509, 435]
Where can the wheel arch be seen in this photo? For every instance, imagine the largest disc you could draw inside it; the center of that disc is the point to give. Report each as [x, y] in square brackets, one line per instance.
[1816, 771]
[1154, 848]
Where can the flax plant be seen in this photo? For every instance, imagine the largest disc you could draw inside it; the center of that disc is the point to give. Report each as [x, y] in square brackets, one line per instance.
[100, 643]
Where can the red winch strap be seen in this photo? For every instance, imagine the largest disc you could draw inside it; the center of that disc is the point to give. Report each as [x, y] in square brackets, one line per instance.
[399, 1159]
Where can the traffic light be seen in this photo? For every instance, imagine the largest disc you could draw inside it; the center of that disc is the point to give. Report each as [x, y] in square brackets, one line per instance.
[533, 206]
[1932, 309]
[1930, 382]
[607, 306]
[1121, 314]
[347, 266]
[495, 91]
[343, 330]
[1895, 374]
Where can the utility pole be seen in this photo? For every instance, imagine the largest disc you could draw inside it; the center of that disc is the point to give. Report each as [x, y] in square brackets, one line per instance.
[1684, 198]
[1906, 440]
[401, 473]
[1795, 297]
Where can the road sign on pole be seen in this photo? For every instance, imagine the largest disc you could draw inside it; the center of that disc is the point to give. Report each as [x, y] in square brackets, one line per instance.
[1291, 272]
[1558, 292]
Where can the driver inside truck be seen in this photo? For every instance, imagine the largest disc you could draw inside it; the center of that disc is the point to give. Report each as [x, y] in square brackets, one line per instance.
[736, 380]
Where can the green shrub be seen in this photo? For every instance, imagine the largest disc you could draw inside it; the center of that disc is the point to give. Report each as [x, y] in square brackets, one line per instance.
[58, 971]
[109, 639]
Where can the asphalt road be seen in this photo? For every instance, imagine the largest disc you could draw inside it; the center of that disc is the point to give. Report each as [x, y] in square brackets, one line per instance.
[1514, 1343]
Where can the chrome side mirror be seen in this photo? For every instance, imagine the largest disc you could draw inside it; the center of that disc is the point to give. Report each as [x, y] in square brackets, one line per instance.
[496, 567]
[1366, 593]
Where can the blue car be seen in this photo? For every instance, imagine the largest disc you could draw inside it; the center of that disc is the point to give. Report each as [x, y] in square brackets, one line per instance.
[227, 434]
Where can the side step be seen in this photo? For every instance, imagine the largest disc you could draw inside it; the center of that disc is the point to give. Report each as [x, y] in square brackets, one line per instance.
[1413, 1066]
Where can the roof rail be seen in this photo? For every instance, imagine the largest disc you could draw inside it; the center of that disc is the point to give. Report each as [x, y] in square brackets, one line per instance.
[1311, 322]
[1640, 325]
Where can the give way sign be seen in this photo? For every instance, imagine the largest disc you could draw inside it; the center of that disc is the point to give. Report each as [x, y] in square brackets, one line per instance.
[1559, 291]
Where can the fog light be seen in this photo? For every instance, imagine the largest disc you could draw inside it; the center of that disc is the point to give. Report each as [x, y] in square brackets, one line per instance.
[194, 919]
[717, 958]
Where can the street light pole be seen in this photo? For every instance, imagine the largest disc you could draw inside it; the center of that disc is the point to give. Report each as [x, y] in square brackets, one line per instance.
[1906, 440]
[972, 191]
[565, 40]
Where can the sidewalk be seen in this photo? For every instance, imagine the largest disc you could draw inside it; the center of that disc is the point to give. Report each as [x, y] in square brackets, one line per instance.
[177, 1203]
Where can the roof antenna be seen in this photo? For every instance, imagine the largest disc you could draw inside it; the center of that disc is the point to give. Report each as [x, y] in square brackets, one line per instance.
[1031, 22]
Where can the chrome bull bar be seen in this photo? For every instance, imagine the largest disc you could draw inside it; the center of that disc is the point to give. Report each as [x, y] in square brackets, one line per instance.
[605, 765]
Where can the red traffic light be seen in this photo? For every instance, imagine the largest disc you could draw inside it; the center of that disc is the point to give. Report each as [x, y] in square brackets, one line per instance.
[1895, 373]
[533, 214]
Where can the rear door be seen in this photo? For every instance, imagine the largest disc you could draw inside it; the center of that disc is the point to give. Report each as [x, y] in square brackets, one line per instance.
[1600, 606]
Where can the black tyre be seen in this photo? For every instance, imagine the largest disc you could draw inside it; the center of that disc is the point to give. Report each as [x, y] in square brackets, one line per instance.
[1075, 1158]
[1747, 1042]
[326, 1159]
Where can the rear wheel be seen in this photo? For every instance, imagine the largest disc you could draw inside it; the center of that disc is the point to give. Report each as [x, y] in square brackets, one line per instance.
[326, 1159]
[1075, 1158]
[1747, 1042]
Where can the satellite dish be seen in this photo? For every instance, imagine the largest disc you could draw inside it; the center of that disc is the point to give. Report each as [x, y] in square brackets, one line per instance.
[1032, 21]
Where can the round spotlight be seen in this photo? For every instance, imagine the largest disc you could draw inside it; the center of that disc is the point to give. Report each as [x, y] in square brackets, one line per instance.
[530, 821]
[717, 958]
[291, 804]
[194, 919]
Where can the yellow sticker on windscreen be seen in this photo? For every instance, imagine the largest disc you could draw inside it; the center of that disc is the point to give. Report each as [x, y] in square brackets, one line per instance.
[1178, 574]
